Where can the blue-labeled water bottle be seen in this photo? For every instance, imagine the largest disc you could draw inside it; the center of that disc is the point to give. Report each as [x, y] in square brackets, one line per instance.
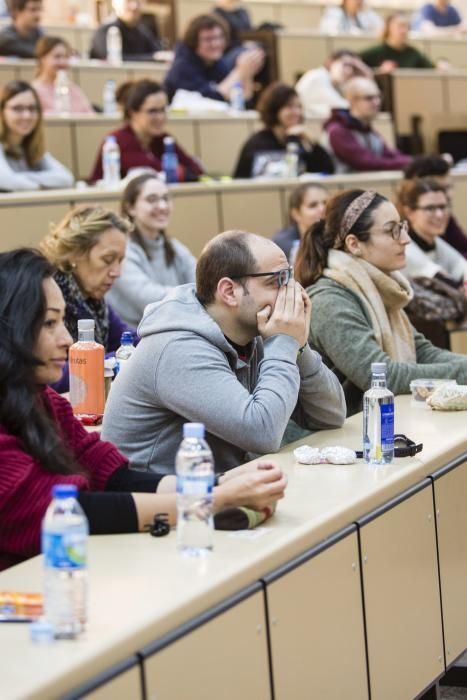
[237, 97]
[194, 466]
[65, 532]
[378, 418]
[170, 160]
[125, 351]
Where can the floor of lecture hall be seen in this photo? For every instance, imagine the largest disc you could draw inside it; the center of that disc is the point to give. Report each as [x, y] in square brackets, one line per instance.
[451, 693]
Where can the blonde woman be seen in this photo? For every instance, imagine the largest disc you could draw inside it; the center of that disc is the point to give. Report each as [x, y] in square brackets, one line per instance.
[87, 248]
[24, 162]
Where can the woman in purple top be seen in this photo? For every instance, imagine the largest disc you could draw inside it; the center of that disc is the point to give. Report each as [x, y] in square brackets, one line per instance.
[87, 247]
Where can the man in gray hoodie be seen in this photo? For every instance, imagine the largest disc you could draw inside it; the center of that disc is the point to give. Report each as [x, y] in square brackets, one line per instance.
[232, 354]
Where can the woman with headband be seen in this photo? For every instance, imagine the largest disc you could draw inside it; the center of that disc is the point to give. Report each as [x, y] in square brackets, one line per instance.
[350, 263]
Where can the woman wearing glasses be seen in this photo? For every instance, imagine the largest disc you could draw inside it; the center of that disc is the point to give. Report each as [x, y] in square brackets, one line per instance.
[154, 263]
[141, 139]
[350, 263]
[425, 205]
[24, 162]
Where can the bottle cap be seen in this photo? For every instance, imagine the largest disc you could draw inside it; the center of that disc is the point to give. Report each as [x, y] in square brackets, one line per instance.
[64, 491]
[193, 430]
[42, 632]
[111, 138]
[86, 324]
[168, 140]
[127, 337]
[378, 367]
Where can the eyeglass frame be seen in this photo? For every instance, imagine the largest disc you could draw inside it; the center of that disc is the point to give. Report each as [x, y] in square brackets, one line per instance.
[403, 227]
[20, 109]
[432, 208]
[276, 273]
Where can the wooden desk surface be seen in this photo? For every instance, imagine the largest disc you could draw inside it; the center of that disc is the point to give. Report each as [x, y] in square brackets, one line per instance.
[140, 588]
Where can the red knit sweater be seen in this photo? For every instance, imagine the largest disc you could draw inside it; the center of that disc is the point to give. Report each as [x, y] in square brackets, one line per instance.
[25, 485]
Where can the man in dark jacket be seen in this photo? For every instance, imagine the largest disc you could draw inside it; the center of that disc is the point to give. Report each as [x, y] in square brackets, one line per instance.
[138, 42]
[199, 67]
[21, 36]
[350, 137]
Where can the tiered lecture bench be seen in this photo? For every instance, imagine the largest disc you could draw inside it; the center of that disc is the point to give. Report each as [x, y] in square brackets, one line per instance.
[216, 139]
[355, 589]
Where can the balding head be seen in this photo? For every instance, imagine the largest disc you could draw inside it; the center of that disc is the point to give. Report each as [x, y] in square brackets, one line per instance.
[364, 98]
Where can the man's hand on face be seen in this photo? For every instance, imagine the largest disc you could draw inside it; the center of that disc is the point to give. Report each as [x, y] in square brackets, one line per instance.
[291, 314]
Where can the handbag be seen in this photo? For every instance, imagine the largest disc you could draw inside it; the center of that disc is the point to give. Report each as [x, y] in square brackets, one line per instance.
[435, 300]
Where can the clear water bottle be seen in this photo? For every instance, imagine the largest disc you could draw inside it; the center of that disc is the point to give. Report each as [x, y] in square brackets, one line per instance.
[62, 103]
[378, 418]
[291, 158]
[170, 160]
[109, 102]
[111, 162]
[237, 98]
[194, 465]
[125, 351]
[64, 537]
[114, 45]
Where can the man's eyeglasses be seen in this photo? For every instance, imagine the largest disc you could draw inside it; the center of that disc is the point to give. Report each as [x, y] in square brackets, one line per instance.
[433, 208]
[369, 98]
[282, 277]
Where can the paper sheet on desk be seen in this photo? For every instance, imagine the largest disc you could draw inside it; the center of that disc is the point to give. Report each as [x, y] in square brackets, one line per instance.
[189, 101]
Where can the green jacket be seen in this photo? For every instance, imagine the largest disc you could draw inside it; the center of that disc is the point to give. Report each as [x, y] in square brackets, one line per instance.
[342, 333]
[408, 57]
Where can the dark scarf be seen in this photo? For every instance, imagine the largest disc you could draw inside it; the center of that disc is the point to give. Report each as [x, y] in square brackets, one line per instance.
[78, 307]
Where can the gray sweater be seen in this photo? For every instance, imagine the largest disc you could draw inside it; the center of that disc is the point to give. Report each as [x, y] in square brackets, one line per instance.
[16, 175]
[185, 369]
[144, 281]
[341, 331]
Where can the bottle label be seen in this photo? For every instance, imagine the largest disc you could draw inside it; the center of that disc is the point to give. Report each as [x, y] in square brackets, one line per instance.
[195, 485]
[387, 425]
[64, 550]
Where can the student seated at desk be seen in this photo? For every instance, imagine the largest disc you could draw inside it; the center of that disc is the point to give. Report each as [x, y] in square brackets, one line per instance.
[231, 353]
[281, 112]
[350, 263]
[87, 249]
[138, 42]
[24, 162]
[199, 66]
[42, 444]
[349, 134]
[154, 262]
[53, 55]
[351, 17]
[394, 51]
[141, 140]
[21, 36]
[438, 168]
[438, 17]
[307, 205]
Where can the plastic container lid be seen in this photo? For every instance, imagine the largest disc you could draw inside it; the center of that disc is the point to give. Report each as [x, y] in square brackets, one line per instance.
[86, 324]
[64, 491]
[42, 632]
[193, 430]
[378, 367]
[127, 337]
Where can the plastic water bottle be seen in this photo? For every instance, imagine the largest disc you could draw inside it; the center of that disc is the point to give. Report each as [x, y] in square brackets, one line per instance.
[114, 45]
[170, 160]
[111, 162]
[194, 466]
[62, 104]
[109, 102]
[64, 537]
[378, 418]
[291, 158]
[237, 98]
[125, 351]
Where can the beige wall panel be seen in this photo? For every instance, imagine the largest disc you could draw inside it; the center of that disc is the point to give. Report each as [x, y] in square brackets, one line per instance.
[458, 341]
[235, 668]
[453, 50]
[58, 141]
[456, 86]
[264, 12]
[195, 220]
[459, 198]
[7, 73]
[355, 43]
[315, 617]
[89, 136]
[26, 72]
[451, 513]
[187, 9]
[126, 686]
[92, 80]
[27, 225]
[299, 15]
[297, 54]
[184, 133]
[416, 94]
[219, 152]
[402, 599]
[259, 212]
[155, 72]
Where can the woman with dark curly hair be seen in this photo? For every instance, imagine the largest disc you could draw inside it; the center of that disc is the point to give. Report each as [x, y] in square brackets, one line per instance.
[281, 112]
